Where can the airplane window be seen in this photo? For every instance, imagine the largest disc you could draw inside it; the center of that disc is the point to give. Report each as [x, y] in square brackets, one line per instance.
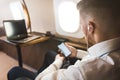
[67, 18]
[20, 11]
[17, 10]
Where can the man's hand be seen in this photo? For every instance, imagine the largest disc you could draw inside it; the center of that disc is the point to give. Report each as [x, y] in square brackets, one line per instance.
[73, 51]
[59, 56]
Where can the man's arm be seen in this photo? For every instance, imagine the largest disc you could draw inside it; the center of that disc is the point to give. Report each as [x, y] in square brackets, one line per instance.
[53, 72]
[52, 68]
[87, 68]
[76, 53]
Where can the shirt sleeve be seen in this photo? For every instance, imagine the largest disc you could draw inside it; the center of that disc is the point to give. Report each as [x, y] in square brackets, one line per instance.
[53, 72]
[81, 70]
[53, 67]
[81, 54]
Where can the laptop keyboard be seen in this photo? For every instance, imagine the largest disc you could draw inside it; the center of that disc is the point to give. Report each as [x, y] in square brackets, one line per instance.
[29, 39]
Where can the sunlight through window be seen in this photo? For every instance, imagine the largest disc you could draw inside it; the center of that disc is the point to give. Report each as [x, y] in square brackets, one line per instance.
[68, 16]
[17, 10]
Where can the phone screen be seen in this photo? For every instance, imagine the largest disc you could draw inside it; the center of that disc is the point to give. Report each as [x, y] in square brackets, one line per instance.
[64, 49]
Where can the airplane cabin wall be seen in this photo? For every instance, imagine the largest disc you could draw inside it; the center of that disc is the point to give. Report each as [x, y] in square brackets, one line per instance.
[41, 14]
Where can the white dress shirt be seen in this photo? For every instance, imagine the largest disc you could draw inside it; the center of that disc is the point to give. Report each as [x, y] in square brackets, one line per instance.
[97, 65]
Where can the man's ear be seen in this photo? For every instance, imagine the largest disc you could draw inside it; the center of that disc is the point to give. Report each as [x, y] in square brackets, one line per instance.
[91, 27]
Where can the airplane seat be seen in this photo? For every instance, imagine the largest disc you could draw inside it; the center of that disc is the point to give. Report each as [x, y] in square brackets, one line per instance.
[19, 73]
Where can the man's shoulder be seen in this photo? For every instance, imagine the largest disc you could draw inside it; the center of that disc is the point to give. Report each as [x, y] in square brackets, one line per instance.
[94, 66]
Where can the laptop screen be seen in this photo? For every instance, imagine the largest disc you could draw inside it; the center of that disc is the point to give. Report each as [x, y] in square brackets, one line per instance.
[15, 29]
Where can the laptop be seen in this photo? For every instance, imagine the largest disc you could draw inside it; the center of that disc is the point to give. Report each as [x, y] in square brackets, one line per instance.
[16, 31]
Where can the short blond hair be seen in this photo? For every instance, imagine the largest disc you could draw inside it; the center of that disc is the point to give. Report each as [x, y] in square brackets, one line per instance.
[104, 11]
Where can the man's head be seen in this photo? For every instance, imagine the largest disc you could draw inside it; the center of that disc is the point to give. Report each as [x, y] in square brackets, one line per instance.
[100, 19]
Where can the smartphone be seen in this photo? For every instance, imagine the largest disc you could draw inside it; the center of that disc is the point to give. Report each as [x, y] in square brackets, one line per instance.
[64, 49]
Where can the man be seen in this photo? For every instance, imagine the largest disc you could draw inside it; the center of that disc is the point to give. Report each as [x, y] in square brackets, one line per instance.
[100, 22]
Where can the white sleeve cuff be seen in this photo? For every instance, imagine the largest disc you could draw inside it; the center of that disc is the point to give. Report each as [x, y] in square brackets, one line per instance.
[57, 63]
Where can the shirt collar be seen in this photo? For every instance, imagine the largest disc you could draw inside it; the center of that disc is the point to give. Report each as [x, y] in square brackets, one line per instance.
[104, 47]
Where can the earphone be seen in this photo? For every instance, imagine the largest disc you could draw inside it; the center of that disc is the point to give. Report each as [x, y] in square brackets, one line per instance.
[88, 28]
